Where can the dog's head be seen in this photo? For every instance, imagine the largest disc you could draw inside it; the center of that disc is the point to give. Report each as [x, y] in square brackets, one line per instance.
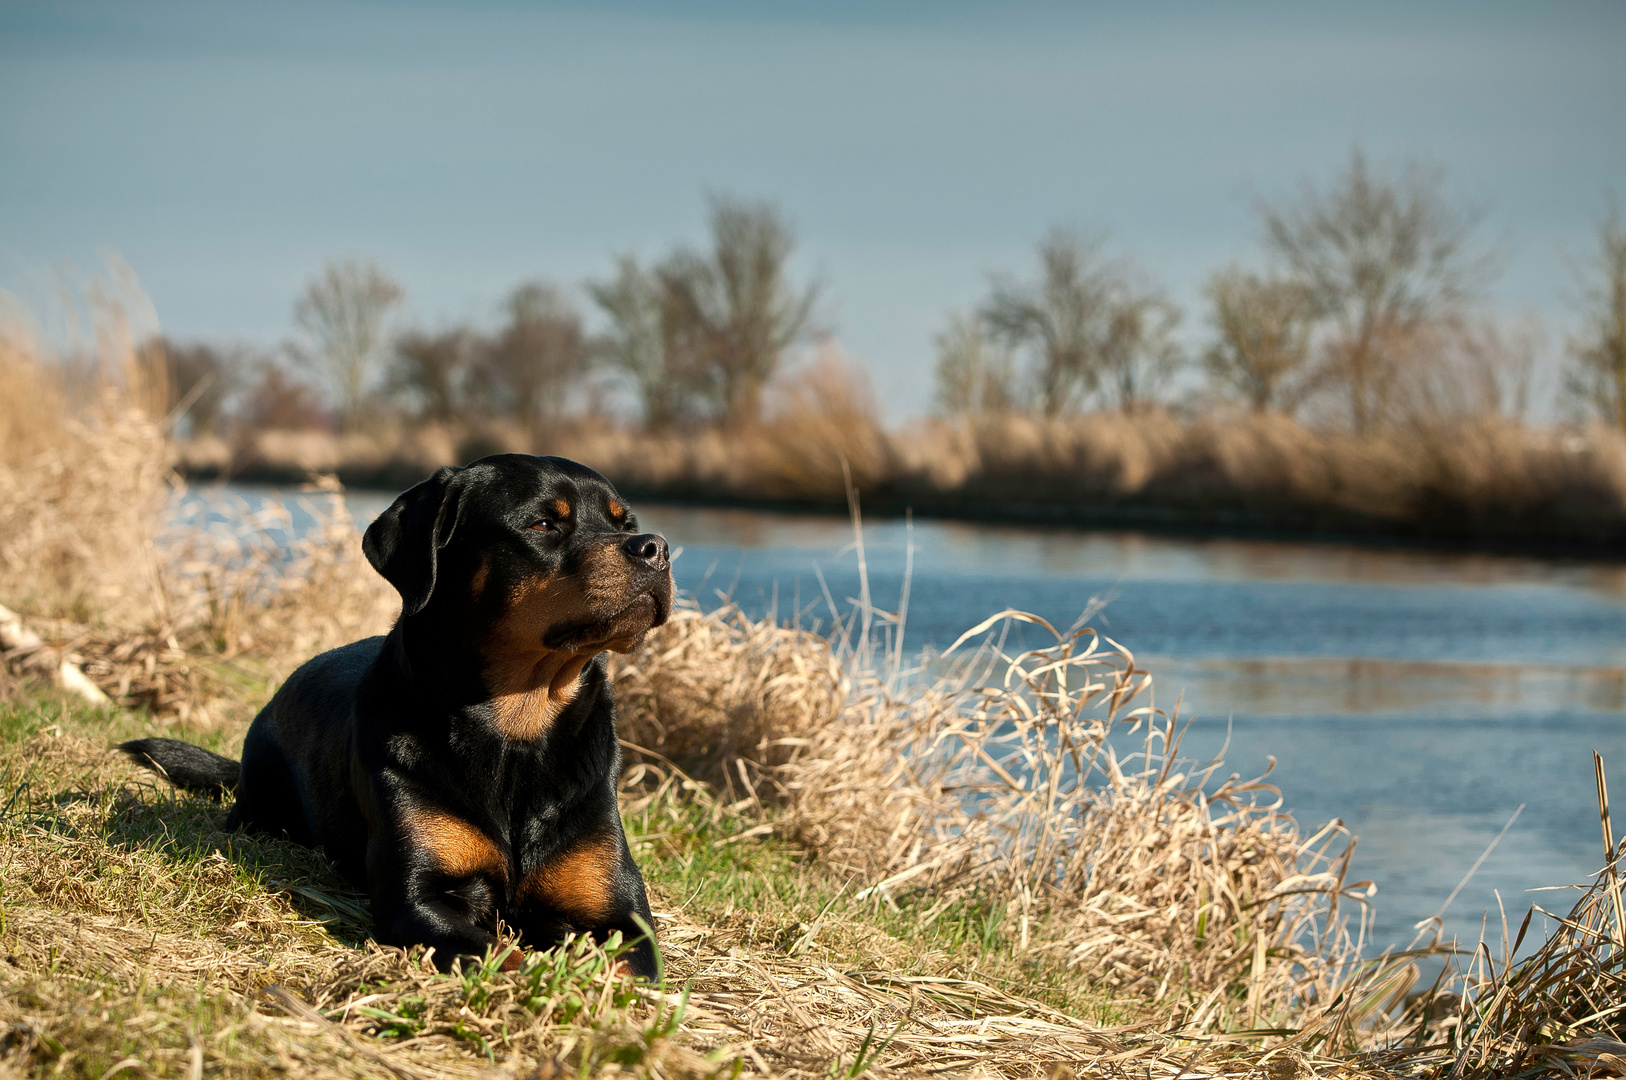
[538, 557]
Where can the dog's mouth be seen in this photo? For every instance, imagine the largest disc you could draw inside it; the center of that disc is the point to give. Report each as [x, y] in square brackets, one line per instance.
[640, 615]
[618, 632]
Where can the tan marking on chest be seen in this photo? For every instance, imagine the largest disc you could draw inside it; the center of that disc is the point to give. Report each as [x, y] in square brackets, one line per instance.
[530, 684]
[578, 883]
[458, 848]
[527, 696]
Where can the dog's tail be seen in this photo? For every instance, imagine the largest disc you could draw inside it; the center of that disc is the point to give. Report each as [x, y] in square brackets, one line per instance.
[191, 768]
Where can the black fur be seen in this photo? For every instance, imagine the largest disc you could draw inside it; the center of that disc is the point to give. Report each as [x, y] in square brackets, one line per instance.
[186, 766]
[463, 768]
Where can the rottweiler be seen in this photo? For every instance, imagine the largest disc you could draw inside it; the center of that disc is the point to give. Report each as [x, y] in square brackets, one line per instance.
[462, 769]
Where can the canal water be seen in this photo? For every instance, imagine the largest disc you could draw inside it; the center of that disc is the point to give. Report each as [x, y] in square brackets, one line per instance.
[1423, 698]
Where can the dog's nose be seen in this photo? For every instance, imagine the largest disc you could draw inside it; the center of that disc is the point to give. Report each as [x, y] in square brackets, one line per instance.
[649, 548]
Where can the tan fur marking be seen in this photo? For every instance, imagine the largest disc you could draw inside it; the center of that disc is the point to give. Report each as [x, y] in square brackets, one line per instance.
[529, 683]
[578, 883]
[458, 848]
[529, 694]
[560, 508]
[606, 577]
[617, 511]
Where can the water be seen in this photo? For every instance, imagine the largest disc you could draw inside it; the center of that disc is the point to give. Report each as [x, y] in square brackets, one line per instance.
[1420, 697]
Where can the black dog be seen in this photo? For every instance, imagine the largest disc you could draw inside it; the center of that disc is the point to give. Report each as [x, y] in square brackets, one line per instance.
[463, 768]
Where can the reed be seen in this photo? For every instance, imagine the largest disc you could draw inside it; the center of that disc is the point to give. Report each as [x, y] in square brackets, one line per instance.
[81, 492]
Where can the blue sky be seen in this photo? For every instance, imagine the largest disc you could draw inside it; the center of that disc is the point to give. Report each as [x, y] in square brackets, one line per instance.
[224, 150]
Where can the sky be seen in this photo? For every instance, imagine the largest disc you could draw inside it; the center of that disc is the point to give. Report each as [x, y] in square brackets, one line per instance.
[225, 150]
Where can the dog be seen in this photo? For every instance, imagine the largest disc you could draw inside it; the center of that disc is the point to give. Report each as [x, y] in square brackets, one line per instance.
[462, 769]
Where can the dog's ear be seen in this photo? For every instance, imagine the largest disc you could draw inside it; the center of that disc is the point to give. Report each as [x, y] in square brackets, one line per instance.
[404, 542]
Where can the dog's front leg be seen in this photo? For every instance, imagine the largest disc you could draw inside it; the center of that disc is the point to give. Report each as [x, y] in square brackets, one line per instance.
[590, 886]
[439, 886]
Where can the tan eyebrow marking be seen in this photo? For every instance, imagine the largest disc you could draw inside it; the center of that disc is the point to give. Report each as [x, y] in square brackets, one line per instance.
[560, 508]
[617, 511]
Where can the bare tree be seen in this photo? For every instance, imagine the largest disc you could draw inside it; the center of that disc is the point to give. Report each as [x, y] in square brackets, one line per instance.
[1060, 320]
[974, 374]
[532, 363]
[433, 370]
[343, 314]
[1597, 376]
[649, 340]
[201, 380]
[1383, 257]
[1138, 352]
[1476, 368]
[736, 307]
[280, 400]
[1264, 327]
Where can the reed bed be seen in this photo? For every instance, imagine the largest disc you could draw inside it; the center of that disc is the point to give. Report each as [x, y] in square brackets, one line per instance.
[1039, 789]
[1465, 480]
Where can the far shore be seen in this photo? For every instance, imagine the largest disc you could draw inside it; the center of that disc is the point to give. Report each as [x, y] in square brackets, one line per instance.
[745, 477]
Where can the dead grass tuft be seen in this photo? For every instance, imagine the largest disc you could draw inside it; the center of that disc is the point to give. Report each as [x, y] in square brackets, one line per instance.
[1052, 793]
[714, 691]
[1561, 1010]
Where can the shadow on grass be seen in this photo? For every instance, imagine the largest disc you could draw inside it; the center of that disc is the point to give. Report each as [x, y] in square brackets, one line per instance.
[182, 828]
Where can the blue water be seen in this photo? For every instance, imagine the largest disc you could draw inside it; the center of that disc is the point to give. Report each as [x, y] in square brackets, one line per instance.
[1422, 698]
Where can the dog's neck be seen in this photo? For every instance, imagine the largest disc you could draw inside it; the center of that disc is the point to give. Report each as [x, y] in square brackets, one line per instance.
[519, 691]
[529, 692]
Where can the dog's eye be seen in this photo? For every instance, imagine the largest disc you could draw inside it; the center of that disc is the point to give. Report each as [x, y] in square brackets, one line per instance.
[544, 526]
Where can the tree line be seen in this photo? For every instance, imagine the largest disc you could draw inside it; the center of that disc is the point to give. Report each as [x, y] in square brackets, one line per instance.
[1365, 313]
[695, 336]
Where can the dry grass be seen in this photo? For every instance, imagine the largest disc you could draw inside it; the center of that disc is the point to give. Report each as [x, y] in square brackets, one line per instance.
[995, 866]
[137, 931]
[80, 496]
[718, 690]
[1561, 1010]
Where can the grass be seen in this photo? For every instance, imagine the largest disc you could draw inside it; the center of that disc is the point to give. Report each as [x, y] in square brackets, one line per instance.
[137, 931]
[766, 895]
[137, 934]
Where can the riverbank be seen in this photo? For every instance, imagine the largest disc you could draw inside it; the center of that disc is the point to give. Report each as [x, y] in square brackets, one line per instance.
[833, 901]
[1485, 485]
